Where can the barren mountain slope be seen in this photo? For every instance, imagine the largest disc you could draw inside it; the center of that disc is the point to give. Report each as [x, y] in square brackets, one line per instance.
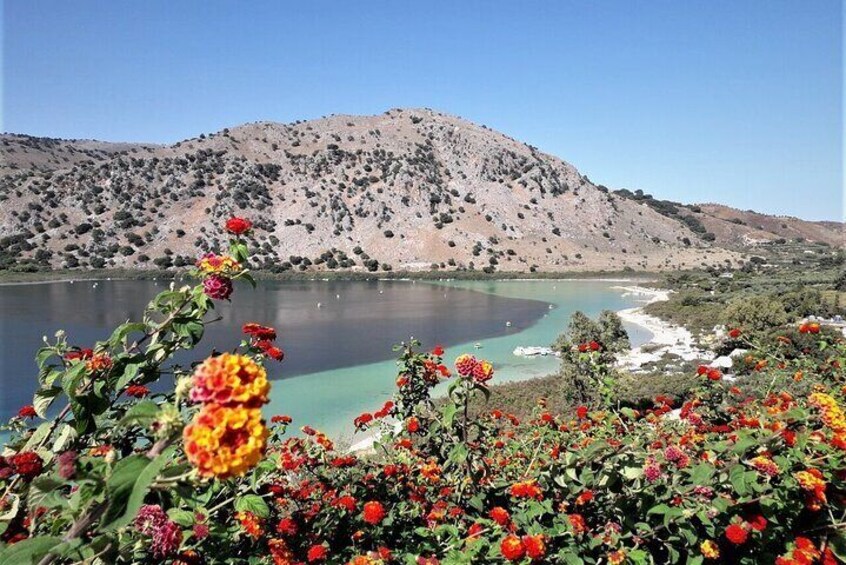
[746, 226]
[401, 190]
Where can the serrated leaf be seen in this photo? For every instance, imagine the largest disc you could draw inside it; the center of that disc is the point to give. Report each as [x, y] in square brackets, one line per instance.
[252, 503]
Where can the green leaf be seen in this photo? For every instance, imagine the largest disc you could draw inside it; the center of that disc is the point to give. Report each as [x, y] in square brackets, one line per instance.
[701, 474]
[43, 399]
[129, 373]
[837, 543]
[252, 503]
[29, 550]
[458, 454]
[632, 473]
[40, 433]
[124, 330]
[182, 517]
[71, 378]
[737, 477]
[43, 355]
[128, 485]
[145, 412]
[449, 414]
[66, 435]
[249, 278]
[744, 444]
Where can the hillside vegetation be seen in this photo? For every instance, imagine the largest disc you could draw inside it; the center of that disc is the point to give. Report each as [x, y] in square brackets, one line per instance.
[407, 190]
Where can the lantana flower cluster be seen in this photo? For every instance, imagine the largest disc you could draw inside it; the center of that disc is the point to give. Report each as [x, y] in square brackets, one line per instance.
[227, 436]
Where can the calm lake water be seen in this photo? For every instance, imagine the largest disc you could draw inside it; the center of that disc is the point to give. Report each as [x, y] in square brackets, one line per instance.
[339, 360]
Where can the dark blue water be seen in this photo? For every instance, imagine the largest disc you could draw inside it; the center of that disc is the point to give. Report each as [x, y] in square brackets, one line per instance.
[357, 322]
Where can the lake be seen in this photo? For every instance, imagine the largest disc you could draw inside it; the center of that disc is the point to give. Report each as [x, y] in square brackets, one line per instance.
[337, 335]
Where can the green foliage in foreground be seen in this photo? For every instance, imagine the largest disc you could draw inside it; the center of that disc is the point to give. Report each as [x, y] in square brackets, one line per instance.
[737, 472]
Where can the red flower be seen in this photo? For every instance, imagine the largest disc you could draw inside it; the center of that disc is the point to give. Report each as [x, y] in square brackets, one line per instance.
[201, 531]
[499, 515]
[238, 226]
[281, 419]
[438, 351]
[535, 546]
[714, 374]
[78, 354]
[757, 523]
[737, 534]
[412, 425]
[512, 548]
[363, 420]
[594, 346]
[137, 391]
[287, 527]
[346, 502]
[27, 411]
[27, 464]
[316, 553]
[259, 332]
[218, 287]
[584, 498]
[701, 370]
[582, 412]
[483, 372]
[578, 524]
[734, 333]
[527, 489]
[270, 350]
[373, 512]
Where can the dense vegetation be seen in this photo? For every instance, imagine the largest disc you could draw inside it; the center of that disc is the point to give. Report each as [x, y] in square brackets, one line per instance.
[792, 282]
[746, 470]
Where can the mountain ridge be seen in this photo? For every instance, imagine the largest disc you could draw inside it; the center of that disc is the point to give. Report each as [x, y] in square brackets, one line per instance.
[408, 189]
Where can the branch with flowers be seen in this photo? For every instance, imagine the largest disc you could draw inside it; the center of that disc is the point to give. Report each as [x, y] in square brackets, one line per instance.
[148, 461]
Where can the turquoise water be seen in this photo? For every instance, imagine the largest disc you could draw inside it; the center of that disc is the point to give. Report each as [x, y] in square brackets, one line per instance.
[337, 335]
[330, 400]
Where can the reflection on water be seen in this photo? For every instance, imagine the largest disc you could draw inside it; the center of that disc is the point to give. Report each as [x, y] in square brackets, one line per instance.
[322, 325]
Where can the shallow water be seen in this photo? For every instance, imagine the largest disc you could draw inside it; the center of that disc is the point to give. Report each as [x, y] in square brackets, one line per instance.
[338, 354]
[330, 400]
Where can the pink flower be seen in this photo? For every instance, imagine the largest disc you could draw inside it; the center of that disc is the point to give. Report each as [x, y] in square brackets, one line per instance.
[673, 453]
[150, 517]
[166, 536]
[67, 464]
[652, 471]
[166, 539]
[218, 287]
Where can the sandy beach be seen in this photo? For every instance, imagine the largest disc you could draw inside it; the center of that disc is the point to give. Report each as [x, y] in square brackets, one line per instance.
[666, 339]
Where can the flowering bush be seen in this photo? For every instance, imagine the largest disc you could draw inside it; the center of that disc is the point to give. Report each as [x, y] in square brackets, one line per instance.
[744, 471]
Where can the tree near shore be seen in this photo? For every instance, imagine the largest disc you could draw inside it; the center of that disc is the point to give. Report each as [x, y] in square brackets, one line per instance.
[588, 350]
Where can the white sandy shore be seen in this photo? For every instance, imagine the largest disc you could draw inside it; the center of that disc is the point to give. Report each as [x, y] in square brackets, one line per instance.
[666, 338]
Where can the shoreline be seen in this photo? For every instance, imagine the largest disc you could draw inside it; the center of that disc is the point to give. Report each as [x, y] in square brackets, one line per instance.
[667, 338]
[670, 338]
[42, 277]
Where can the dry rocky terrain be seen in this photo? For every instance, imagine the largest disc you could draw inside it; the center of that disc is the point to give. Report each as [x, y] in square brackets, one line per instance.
[405, 190]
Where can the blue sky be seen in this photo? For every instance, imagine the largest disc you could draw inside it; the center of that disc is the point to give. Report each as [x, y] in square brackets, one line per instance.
[737, 102]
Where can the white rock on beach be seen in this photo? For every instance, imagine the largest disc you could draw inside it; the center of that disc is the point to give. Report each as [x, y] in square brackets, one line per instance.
[724, 362]
[666, 338]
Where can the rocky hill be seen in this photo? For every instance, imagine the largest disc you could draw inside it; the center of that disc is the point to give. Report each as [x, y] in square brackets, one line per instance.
[405, 190]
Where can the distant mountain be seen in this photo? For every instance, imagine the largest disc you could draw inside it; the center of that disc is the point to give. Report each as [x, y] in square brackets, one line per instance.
[402, 190]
